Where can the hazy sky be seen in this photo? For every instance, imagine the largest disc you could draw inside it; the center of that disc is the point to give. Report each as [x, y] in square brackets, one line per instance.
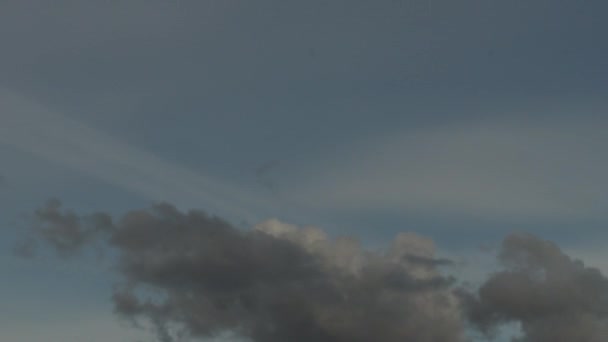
[460, 121]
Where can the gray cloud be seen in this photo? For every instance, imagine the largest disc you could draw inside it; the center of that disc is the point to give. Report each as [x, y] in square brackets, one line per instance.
[192, 274]
[65, 231]
[554, 297]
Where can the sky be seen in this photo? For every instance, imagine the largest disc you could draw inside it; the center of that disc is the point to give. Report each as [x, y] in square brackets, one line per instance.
[421, 149]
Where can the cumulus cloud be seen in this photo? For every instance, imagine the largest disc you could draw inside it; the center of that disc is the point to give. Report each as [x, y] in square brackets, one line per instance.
[194, 275]
[552, 296]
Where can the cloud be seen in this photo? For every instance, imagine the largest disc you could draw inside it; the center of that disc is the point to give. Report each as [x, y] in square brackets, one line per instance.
[64, 230]
[189, 274]
[552, 296]
[40, 131]
[495, 168]
[193, 274]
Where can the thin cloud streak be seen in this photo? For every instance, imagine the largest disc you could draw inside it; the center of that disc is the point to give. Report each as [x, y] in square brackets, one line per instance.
[35, 129]
[506, 169]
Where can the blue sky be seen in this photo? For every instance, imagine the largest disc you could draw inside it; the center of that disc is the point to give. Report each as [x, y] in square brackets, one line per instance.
[461, 121]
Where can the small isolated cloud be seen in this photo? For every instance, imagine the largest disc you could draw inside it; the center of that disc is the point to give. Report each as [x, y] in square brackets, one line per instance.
[264, 174]
[192, 275]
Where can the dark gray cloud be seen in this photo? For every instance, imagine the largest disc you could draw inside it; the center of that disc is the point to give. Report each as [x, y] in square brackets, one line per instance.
[190, 273]
[428, 262]
[65, 231]
[554, 297]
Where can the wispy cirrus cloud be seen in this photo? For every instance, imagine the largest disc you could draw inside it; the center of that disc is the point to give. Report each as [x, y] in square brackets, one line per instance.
[38, 130]
[520, 168]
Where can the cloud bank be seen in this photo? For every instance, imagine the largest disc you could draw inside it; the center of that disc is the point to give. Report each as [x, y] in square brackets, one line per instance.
[192, 275]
